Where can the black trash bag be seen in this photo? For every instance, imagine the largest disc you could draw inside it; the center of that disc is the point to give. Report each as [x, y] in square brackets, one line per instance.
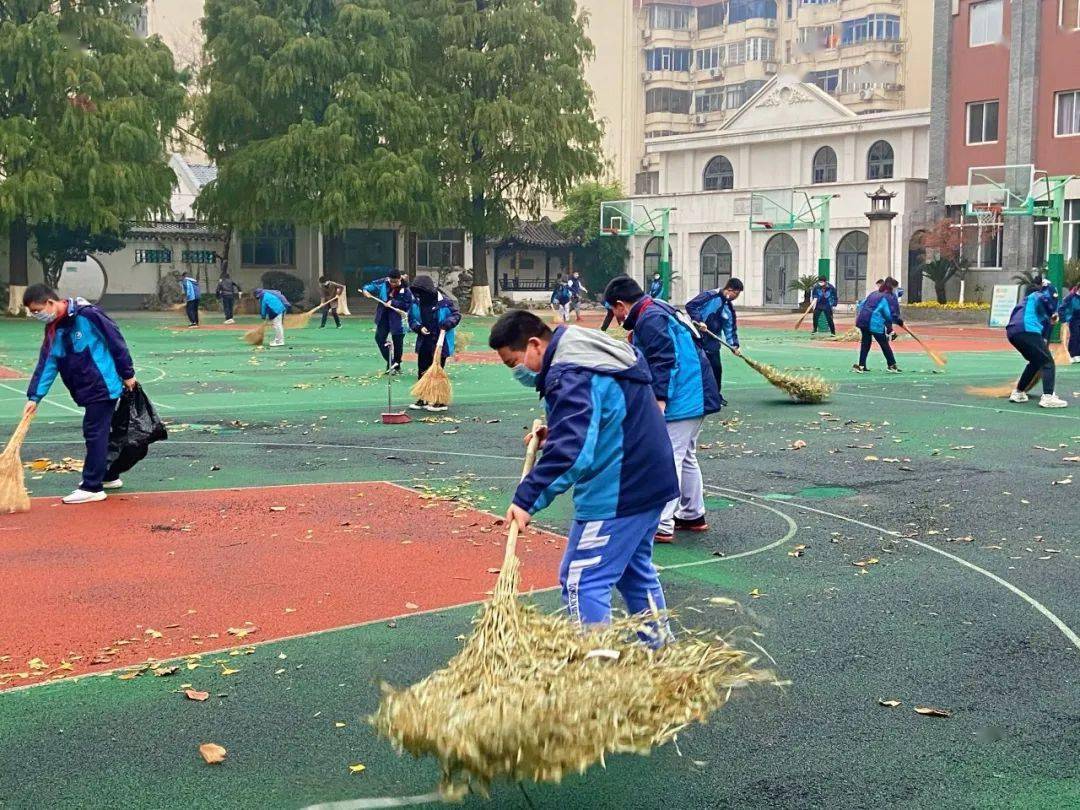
[135, 426]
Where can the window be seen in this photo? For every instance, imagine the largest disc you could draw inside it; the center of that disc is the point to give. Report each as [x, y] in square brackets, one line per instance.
[664, 99]
[985, 23]
[668, 59]
[198, 256]
[708, 58]
[140, 21]
[711, 16]
[818, 37]
[715, 262]
[851, 266]
[1070, 235]
[759, 49]
[647, 183]
[882, 27]
[1068, 113]
[270, 246]
[982, 122]
[815, 2]
[734, 97]
[879, 161]
[445, 248]
[743, 10]
[652, 257]
[824, 165]
[711, 100]
[161, 256]
[736, 53]
[1069, 14]
[827, 80]
[675, 18]
[719, 176]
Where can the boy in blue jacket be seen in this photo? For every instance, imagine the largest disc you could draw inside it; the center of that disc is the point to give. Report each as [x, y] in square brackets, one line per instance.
[683, 385]
[656, 287]
[389, 325]
[715, 309]
[272, 307]
[1069, 313]
[432, 311]
[1028, 326]
[605, 438]
[577, 289]
[192, 293]
[824, 297]
[84, 346]
[875, 318]
[561, 297]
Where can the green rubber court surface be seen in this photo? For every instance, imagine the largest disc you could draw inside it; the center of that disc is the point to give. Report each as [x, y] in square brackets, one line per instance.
[923, 546]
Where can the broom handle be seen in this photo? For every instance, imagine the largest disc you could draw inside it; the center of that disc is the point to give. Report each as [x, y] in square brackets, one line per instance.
[378, 300]
[925, 348]
[526, 468]
[705, 330]
[803, 318]
[439, 345]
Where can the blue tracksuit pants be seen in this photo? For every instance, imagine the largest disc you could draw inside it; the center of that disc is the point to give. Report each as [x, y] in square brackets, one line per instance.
[602, 554]
[97, 424]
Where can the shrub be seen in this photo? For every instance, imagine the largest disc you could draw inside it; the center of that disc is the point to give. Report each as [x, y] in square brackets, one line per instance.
[953, 306]
[286, 283]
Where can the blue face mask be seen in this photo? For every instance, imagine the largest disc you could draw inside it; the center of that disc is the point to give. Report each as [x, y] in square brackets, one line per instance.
[43, 316]
[525, 375]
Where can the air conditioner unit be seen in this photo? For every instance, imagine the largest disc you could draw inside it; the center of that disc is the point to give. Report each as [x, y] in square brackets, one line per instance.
[898, 47]
[770, 67]
[770, 23]
[716, 73]
[866, 94]
[701, 119]
[892, 87]
[646, 76]
[646, 33]
[646, 164]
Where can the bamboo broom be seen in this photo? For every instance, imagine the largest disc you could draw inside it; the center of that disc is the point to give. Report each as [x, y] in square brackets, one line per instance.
[938, 359]
[1061, 351]
[13, 494]
[809, 309]
[532, 697]
[1000, 391]
[386, 304]
[257, 335]
[301, 319]
[806, 388]
[434, 387]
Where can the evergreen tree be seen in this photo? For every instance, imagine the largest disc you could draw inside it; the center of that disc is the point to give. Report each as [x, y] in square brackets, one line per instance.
[86, 112]
[510, 110]
[310, 114]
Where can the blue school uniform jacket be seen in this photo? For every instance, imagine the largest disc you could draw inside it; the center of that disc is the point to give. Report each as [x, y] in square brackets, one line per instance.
[656, 288]
[606, 436]
[1032, 314]
[878, 312]
[718, 314]
[271, 304]
[825, 297]
[88, 352]
[562, 295]
[682, 376]
[191, 289]
[402, 299]
[442, 314]
[1069, 311]
[575, 288]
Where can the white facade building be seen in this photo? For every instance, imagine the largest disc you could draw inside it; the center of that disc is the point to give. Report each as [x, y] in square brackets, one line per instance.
[789, 136]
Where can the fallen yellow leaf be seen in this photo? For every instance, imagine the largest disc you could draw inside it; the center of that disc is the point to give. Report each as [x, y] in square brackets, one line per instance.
[932, 711]
[195, 694]
[213, 753]
[227, 671]
[37, 663]
[339, 725]
[357, 768]
[889, 704]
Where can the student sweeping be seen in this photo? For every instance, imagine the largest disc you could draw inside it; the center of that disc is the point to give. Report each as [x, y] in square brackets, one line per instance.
[577, 289]
[190, 286]
[1069, 313]
[84, 346]
[227, 292]
[715, 309]
[824, 297]
[561, 297]
[1028, 326]
[431, 312]
[684, 386]
[272, 307]
[656, 287]
[331, 296]
[389, 325]
[876, 315]
[605, 438]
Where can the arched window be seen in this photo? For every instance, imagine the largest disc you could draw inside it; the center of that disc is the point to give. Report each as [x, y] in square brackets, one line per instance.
[879, 161]
[781, 268]
[719, 176]
[715, 262]
[824, 165]
[851, 267]
[652, 258]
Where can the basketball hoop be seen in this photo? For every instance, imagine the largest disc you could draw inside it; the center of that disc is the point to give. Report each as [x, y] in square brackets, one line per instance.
[987, 216]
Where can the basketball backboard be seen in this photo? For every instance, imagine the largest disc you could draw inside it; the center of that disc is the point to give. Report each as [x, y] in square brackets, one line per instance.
[628, 218]
[1009, 189]
[783, 210]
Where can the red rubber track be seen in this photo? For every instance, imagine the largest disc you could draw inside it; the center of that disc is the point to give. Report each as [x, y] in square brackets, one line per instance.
[10, 374]
[190, 565]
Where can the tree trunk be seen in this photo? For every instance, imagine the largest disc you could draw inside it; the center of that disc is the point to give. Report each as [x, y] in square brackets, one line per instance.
[481, 291]
[18, 275]
[939, 290]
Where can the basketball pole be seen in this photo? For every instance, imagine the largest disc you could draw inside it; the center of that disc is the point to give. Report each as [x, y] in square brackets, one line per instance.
[1055, 260]
[665, 253]
[824, 263]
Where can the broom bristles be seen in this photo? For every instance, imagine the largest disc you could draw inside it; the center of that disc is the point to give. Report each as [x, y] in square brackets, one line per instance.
[435, 387]
[13, 494]
[807, 388]
[257, 335]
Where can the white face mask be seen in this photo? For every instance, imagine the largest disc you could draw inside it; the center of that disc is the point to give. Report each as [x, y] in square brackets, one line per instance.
[44, 316]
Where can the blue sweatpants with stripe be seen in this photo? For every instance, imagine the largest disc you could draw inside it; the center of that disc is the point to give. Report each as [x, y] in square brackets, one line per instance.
[602, 554]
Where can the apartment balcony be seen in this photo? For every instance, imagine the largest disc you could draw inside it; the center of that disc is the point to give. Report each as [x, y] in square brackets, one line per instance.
[661, 78]
[661, 38]
[875, 48]
[860, 8]
[707, 120]
[761, 26]
[883, 97]
[674, 121]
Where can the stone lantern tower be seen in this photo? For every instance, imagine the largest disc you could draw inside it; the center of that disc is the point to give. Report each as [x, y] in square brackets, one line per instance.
[879, 253]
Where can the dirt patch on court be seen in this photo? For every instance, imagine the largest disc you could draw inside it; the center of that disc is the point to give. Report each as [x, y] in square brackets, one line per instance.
[163, 575]
[213, 327]
[10, 374]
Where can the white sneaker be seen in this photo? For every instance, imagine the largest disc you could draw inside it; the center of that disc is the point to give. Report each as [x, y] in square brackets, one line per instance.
[1052, 401]
[1074, 360]
[1018, 396]
[436, 408]
[276, 343]
[82, 496]
[117, 484]
[230, 321]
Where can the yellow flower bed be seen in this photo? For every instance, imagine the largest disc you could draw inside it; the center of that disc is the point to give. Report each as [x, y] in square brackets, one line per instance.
[950, 305]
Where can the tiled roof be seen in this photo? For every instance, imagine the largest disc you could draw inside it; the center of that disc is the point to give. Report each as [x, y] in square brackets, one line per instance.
[174, 230]
[541, 234]
[203, 173]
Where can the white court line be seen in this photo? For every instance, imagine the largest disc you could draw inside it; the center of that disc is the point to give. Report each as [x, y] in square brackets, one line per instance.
[46, 400]
[1018, 411]
[1067, 631]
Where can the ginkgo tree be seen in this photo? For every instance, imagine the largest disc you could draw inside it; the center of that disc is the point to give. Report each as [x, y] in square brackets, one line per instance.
[87, 110]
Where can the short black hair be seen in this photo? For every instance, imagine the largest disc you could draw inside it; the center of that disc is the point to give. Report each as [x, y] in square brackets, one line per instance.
[891, 282]
[734, 284]
[513, 330]
[623, 288]
[39, 294]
